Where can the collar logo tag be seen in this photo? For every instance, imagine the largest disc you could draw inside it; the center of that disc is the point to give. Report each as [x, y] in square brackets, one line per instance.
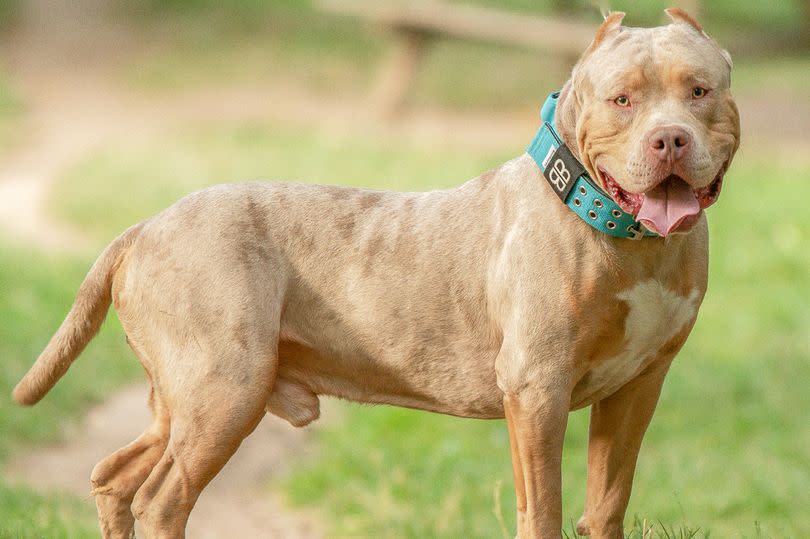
[563, 171]
[559, 177]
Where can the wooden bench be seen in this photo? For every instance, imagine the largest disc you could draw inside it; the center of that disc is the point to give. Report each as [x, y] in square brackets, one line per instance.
[415, 24]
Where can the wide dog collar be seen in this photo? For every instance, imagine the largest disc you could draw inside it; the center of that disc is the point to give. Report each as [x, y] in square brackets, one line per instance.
[571, 182]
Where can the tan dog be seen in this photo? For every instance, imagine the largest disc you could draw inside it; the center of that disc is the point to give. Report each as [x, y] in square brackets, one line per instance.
[489, 300]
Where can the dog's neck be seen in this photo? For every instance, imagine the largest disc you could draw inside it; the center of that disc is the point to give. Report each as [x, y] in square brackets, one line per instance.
[571, 182]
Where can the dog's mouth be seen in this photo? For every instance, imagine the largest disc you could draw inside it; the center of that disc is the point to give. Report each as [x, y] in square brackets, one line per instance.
[669, 206]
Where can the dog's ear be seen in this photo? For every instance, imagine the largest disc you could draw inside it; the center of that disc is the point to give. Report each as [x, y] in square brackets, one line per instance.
[679, 16]
[565, 119]
[611, 25]
[568, 103]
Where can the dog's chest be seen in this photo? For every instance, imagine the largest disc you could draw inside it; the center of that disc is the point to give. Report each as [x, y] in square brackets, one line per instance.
[655, 314]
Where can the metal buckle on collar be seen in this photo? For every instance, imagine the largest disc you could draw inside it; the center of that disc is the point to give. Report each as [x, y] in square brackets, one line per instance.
[636, 231]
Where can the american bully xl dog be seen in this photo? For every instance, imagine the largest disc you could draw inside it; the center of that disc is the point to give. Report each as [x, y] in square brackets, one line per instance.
[567, 277]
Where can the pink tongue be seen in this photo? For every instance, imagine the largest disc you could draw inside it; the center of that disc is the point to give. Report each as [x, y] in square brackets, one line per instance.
[666, 206]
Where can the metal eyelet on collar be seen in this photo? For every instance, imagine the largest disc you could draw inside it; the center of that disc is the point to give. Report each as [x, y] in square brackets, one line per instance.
[592, 214]
[577, 202]
[597, 203]
[616, 213]
[611, 225]
[582, 191]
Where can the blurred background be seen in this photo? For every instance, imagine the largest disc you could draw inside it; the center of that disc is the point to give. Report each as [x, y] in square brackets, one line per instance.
[111, 110]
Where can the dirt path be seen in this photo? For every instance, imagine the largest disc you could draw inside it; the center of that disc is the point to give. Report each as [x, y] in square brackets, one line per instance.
[235, 504]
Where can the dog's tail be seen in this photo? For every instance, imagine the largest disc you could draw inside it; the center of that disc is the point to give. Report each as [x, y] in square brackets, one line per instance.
[80, 325]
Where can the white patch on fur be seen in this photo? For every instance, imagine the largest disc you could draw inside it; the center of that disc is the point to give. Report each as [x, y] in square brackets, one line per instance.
[656, 315]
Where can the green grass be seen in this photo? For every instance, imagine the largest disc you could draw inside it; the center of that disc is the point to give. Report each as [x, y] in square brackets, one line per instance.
[27, 515]
[728, 449]
[37, 292]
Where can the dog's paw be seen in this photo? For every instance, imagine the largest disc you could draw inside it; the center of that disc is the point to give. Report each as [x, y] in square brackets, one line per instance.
[582, 526]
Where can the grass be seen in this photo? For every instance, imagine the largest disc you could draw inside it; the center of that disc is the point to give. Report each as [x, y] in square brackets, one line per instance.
[37, 292]
[27, 515]
[728, 449]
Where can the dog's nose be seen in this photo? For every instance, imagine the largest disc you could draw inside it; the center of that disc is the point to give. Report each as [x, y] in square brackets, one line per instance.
[669, 143]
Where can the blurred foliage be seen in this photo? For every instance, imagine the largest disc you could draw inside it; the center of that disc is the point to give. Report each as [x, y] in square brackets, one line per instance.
[649, 12]
[294, 45]
[766, 24]
[8, 12]
[11, 108]
[9, 102]
[782, 79]
[249, 13]
[247, 6]
[289, 46]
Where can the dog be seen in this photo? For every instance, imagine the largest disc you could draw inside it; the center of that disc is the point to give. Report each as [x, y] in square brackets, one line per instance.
[509, 296]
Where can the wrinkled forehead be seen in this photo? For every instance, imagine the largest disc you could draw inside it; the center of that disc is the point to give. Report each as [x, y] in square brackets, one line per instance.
[663, 56]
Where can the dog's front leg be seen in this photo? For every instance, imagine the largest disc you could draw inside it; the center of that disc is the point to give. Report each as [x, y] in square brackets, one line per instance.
[536, 403]
[618, 423]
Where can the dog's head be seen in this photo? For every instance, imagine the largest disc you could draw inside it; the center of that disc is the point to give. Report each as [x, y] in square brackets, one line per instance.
[650, 114]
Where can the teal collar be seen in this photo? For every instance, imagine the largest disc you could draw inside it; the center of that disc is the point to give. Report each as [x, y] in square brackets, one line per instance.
[570, 181]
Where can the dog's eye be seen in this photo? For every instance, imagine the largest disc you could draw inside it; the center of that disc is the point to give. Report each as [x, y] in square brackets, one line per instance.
[698, 92]
[622, 101]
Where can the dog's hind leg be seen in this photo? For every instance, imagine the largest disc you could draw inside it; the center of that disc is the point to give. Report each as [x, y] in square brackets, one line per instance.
[116, 478]
[216, 401]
